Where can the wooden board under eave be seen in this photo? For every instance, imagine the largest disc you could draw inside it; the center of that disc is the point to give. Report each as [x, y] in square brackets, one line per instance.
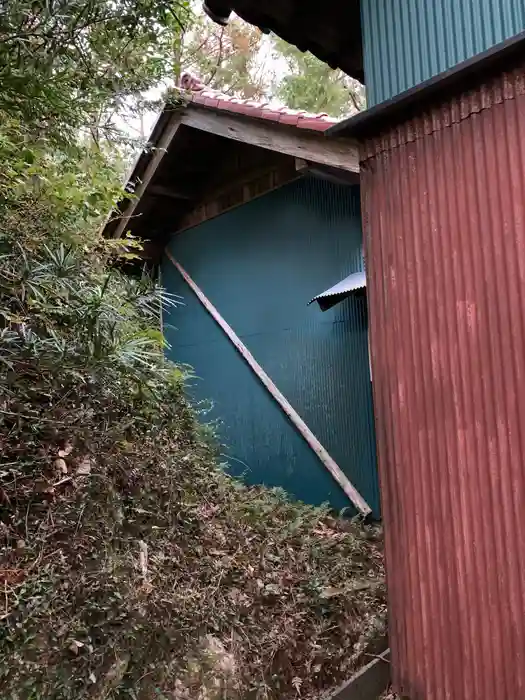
[238, 192]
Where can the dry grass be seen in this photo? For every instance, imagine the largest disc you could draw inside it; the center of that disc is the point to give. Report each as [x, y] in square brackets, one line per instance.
[133, 567]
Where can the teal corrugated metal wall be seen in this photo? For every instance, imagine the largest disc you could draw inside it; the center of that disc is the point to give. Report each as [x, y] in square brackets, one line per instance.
[260, 264]
[405, 42]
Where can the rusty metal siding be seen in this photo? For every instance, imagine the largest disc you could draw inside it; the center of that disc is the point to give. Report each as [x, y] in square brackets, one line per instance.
[444, 221]
[405, 42]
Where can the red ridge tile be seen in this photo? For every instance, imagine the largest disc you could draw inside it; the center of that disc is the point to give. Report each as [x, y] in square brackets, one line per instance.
[199, 93]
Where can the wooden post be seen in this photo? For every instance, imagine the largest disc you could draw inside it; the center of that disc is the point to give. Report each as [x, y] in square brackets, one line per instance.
[368, 683]
[167, 137]
[353, 494]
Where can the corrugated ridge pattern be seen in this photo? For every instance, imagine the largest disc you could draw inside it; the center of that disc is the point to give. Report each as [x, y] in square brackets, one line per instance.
[445, 237]
[406, 42]
[260, 264]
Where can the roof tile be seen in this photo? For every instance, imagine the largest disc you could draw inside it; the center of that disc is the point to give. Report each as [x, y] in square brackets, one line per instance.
[271, 114]
[196, 91]
[291, 119]
[316, 124]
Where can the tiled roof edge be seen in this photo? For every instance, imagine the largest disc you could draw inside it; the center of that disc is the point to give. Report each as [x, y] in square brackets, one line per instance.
[197, 92]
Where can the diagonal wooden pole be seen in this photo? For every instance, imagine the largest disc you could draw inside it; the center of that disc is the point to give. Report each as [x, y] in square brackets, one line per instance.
[334, 469]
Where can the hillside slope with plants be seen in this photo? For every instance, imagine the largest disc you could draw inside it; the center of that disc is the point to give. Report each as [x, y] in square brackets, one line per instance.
[131, 565]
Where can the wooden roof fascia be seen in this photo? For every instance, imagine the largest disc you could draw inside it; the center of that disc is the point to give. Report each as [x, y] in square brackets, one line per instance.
[341, 153]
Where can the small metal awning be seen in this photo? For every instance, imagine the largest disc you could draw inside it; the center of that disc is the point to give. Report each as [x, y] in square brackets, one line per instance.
[353, 284]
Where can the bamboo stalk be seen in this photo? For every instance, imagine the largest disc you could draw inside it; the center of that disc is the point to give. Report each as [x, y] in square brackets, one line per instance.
[330, 464]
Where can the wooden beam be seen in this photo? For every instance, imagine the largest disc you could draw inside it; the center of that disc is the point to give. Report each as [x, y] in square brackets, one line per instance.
[300, 143]
[163, 191]
[242, 177]
[349, 489]
[326, 172]
[167, 137]
[368, 683]
[241, 190]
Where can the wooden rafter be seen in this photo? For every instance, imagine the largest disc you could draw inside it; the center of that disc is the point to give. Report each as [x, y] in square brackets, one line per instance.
[164, 143]
[163, 191]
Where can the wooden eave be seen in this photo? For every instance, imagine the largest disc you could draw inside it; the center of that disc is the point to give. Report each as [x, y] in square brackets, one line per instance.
[341, 153]
[192, 147]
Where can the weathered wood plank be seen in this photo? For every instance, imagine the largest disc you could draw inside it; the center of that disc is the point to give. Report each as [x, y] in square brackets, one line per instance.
[311, 146]
[163, 145]
[235, 193]
[368, 683]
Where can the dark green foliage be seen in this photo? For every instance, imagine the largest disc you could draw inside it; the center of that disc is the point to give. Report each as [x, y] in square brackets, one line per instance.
[70, 64]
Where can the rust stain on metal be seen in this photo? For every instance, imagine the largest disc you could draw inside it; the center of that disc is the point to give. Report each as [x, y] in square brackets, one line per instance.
[444, 203]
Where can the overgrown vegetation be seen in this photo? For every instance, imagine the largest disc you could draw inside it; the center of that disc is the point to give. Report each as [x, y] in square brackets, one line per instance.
[70, 65]
[312, 85]
[131, 565]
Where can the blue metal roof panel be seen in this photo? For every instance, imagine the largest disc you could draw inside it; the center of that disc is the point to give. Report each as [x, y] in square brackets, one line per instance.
[406, 42]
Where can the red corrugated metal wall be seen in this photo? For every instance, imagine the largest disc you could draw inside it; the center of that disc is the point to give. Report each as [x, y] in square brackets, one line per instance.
[444, 207]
